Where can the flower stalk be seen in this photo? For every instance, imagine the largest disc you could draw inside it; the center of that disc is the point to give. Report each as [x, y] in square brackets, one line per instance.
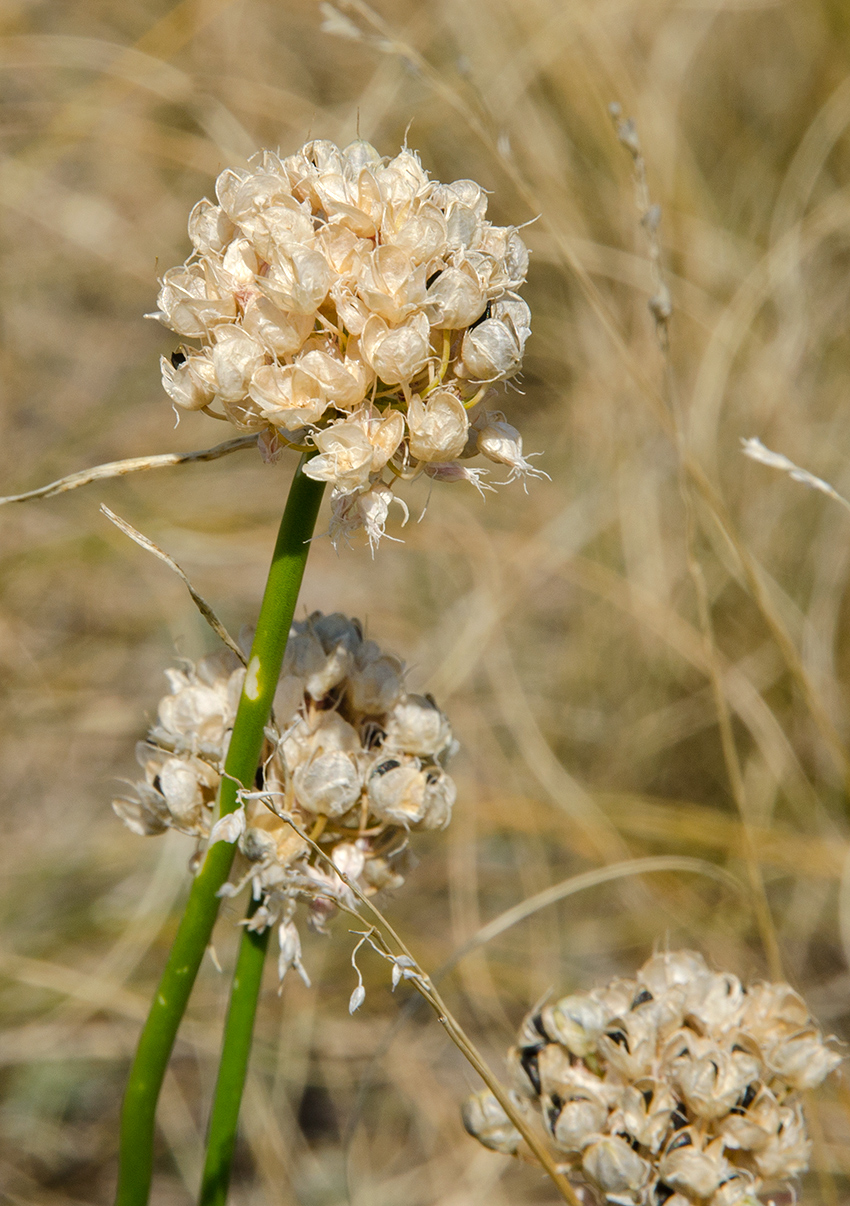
[193, 935]
[233, 1068]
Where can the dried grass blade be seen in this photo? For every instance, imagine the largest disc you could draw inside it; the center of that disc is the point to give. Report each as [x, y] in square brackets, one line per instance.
[134, 464]
[199, 601]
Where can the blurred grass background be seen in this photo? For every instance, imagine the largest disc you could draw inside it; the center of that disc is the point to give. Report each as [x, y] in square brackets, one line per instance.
[560, 630]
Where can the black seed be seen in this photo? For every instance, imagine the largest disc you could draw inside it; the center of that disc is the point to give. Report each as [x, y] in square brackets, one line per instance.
[678, 1118]
[389, 765]
[488, 313]
[680, 1141]
[620, 1038]
[662, 1192]
[178, 358]
[432, 278]
[537, 1023]
[528, 1060]
[633, 1143]
[643, 996]
[647, 1096]
[157, 784]
[259, 779]
[431, 777]
[749, 1096]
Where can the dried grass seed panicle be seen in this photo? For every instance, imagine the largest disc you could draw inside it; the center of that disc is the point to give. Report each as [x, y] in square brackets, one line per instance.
[680, 1085]
[344, 300]
[351, 757]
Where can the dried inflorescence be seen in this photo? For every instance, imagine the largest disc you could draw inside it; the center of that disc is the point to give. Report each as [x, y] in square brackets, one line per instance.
[350, 303]
[680, 1086]
[350, 757]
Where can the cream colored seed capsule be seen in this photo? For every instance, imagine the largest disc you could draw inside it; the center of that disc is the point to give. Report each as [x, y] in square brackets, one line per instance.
[438, 427]
[417, 726]
[612, 1165]
[487, 1122]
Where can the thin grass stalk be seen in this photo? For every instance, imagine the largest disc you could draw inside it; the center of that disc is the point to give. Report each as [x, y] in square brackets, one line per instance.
[135, 1167]
[233, 1067]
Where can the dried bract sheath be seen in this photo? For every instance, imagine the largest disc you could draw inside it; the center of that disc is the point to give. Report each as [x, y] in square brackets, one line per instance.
[354, 760]
[346, 301]
[678, 1087]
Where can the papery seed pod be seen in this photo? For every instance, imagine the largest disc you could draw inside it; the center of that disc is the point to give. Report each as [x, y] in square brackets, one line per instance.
[577, 1022]
[737, 1190]
[802, 1059]
[787, 1153]
[715, 1000]
[146, 815]
[438, 799]
[751, 1127]
[346, 457]
[774, 1008]
[487, 1122]
[694, 1169]
[502, 444]
[190, 383]
[611, 1164]
[328, 783]
[437, 427]
[713, 1082]
[396, 790]
[417, 726]
[287, 396]
[644, 1112]
[493, 348]
[376, 684]
[573, 1124]
[629, 1044]
[209, 228]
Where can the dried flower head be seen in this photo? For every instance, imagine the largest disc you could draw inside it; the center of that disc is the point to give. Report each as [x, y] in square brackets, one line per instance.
[680, 1086]
[347, 301]
[353, 759]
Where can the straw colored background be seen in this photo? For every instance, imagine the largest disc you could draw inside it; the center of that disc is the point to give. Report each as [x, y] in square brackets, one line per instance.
[560, 630]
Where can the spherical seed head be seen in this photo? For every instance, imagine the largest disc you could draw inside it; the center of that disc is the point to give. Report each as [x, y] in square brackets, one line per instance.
[679, 1086]
[336, 290]
[342, 726]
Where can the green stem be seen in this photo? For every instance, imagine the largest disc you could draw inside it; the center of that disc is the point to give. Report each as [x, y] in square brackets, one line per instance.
[235, 1050]
[135, 1166]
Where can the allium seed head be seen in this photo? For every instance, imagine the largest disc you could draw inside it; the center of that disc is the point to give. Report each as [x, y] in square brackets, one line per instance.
[346, 301]
[678, 1088]
[349, 756]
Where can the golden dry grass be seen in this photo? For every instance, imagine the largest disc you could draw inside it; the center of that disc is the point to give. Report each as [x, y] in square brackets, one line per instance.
[560, 630]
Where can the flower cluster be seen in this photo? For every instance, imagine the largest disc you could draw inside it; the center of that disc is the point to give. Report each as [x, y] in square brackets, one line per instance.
[680, 1086]
[350, 757]
[351, 304]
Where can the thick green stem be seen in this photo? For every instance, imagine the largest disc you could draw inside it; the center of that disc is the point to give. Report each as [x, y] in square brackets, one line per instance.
[193, 935]
[235, 1050]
